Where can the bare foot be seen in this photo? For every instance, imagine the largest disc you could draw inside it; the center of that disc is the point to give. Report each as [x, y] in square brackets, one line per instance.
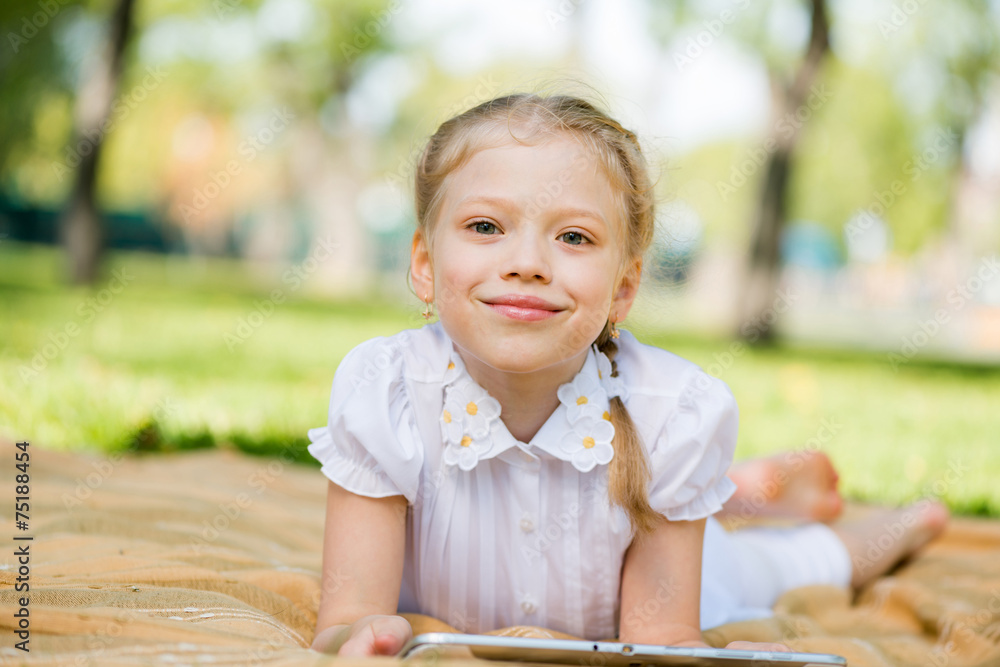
[791, 485]
[884, 537]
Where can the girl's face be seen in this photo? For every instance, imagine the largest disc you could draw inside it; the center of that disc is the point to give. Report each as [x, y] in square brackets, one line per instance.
[526, 260]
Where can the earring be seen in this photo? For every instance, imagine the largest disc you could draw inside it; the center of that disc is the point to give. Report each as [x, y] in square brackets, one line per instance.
[614, 329]
[428, 308]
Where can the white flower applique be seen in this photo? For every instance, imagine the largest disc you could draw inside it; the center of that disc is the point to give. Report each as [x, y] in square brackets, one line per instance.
[466, 422]
[589, 443]
[613, 386]
[454, 369]
[584, 396]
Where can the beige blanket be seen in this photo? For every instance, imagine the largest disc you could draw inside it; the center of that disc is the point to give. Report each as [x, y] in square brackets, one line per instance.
[213, 557]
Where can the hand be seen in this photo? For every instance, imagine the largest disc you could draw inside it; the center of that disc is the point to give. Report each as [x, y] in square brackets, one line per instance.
[759, 646]
[376, 635]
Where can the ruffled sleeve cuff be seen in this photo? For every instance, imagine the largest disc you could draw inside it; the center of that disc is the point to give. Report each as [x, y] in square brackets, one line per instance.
[370, 445]
[694, 452]
[363, 477]
[708, 503]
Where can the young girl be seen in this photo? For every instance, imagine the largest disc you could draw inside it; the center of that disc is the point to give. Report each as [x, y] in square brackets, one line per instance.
[522, 461]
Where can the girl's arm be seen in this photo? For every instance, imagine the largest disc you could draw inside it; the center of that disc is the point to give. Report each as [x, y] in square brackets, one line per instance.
[363, 551]
[661, 589]
[661, 586]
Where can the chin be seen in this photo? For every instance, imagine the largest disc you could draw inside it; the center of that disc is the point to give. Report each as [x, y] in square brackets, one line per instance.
[505, 358]
[519, 360]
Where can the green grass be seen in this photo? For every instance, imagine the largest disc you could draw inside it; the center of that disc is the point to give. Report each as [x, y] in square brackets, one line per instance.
[157, 369]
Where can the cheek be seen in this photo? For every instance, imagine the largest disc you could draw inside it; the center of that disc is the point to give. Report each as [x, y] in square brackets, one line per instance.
[594, 284]
[452, 281]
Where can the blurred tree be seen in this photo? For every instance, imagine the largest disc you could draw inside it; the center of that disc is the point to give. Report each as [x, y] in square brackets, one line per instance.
[953, 50]
[35, 81]
[793, 70]
[771, 215]
[228, 61]
[893, 140]
[81, 227]
[902, 80]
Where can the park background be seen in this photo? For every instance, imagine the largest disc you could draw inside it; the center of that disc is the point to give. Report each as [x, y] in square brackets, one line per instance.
[205, 205]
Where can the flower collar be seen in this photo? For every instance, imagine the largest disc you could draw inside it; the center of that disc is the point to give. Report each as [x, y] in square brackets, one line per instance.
[579, 431]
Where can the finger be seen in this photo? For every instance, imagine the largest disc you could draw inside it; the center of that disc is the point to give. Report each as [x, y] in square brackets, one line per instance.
[360, 645]
[391, 633]
[387, 644]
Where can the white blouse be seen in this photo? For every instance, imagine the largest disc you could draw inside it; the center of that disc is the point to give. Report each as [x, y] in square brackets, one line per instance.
[502, 532]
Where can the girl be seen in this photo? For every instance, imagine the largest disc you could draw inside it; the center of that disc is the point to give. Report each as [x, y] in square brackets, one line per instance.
[522, 461]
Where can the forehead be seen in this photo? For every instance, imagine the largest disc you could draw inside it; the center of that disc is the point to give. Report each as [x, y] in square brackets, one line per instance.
[558, 169]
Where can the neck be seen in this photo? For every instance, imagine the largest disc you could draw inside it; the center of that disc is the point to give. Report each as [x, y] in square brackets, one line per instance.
[527, 399]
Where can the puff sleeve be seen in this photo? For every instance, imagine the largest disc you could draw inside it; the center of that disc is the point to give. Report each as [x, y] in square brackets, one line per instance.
[370, 445]
[694, 451]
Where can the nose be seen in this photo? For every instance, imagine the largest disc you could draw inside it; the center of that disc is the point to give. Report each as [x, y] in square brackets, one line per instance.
[527, 257]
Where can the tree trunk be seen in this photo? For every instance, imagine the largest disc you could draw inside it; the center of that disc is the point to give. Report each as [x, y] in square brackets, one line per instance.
[81, 227]
[759, 308]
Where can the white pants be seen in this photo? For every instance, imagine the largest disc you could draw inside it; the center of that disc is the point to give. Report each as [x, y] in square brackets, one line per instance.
[744, 572]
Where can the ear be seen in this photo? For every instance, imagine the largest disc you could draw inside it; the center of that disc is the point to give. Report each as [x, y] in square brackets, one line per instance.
[421, 271]
[628, 287]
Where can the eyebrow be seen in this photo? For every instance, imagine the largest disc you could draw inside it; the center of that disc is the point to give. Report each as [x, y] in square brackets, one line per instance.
[509, 205]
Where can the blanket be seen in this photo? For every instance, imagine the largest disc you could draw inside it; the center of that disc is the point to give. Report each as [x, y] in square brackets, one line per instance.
[214, 557]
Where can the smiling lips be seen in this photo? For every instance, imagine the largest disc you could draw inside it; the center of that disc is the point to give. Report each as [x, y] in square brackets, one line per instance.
[523, 307]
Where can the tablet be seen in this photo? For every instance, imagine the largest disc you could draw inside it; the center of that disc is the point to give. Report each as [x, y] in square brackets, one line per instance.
[434, 645]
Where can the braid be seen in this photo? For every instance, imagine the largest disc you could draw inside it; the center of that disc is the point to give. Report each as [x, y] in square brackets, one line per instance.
[629, 472]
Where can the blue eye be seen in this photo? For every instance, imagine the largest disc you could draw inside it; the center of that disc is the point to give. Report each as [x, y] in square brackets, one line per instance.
[484, 227]
[574, 238]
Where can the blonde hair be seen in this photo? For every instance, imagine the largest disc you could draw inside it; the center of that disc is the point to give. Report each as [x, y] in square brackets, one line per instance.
[617, 150]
